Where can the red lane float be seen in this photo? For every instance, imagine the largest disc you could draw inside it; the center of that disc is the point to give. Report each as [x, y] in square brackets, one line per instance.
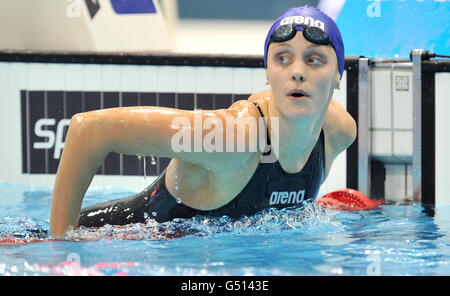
[348, 200]
[11, 240]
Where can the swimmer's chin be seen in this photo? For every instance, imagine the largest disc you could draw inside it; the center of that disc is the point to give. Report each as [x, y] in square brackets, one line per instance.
[299, 112]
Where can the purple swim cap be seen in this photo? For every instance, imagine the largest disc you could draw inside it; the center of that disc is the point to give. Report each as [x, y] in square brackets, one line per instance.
[312, 17]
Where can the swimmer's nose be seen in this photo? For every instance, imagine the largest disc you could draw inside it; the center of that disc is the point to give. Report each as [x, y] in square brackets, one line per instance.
[298, 78]
[298, 73]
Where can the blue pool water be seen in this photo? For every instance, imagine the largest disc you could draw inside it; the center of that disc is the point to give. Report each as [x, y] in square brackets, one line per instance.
[393, 240]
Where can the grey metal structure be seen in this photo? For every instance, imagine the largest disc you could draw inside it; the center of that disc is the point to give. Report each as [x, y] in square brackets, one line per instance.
[416, 56]
[363, 126]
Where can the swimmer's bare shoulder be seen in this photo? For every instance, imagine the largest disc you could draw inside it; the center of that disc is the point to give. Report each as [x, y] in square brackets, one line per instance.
[262, 99]
[340, 132]
[261, 96]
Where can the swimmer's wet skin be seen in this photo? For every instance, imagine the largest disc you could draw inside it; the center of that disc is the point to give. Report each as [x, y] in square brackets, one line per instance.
[302, 70]
[269, 187]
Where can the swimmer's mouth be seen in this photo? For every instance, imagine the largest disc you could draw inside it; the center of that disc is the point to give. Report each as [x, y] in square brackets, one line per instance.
[298, 94]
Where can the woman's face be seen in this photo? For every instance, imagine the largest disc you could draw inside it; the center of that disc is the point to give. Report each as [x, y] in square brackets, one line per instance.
[297, 67]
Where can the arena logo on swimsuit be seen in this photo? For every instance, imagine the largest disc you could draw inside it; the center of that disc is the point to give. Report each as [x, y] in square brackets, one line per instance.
[285, 197]
[301, 20]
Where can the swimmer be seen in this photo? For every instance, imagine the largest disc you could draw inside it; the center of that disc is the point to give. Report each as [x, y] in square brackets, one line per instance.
[304, 60]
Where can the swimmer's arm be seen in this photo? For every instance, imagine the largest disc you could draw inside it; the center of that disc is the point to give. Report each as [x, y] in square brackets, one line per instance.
[84, 151]
[130, 130]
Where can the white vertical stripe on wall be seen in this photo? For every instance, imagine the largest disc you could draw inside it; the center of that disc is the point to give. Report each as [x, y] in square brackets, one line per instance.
[147, 78]
[204, 80]
[129, 77]
[109, 78]
[54, 76]
[223, 79]
[166, 79]
[185, 79]
[73, 77]
[91, 78]
[442, 142]
[36, 79]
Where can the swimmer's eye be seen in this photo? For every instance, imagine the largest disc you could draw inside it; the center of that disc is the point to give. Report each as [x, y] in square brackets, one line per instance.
[282, 59]
[314, 61]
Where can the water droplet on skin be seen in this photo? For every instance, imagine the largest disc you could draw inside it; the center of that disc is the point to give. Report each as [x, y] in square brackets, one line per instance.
[145, 169]
[176, 187]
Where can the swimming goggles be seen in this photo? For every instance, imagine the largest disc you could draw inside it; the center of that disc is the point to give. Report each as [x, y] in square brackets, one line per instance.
[312, 34]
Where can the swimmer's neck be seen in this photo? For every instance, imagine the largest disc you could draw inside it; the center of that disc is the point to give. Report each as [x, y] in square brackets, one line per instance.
[297, 136]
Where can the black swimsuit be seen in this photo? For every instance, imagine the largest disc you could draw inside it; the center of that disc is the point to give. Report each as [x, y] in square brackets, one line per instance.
[269, 187]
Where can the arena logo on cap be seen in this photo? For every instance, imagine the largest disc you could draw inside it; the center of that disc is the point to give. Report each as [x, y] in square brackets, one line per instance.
[301, 20]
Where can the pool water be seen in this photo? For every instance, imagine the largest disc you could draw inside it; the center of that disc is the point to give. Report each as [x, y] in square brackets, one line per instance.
[391, 240]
